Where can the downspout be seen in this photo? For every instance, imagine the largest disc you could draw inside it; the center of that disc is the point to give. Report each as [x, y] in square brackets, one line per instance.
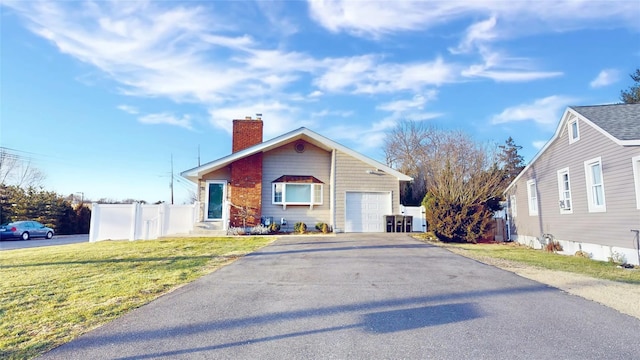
[332, 193]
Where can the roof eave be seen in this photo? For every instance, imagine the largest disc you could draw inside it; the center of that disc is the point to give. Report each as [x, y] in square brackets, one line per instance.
[300, 133]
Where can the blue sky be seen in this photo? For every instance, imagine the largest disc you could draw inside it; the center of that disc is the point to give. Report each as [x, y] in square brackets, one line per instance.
[100, 95]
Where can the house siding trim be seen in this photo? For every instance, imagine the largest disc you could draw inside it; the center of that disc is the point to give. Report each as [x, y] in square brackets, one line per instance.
[635, 163]
[565, 202]
[593, 198]
[532, 197]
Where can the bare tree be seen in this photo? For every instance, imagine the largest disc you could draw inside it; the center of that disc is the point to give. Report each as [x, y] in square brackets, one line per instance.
[15, 170]
[460, 177]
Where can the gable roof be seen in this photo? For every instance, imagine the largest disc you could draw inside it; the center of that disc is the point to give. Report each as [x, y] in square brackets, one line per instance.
[621, 121]
[618, 122]
[299, 134]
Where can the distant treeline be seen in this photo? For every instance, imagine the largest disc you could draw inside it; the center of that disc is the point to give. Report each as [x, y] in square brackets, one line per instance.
[47, 207]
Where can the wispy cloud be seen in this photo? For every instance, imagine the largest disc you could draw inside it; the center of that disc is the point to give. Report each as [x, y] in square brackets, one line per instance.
[129, 109]
[545, 111]
[369, 75]
[605, 77]
[538, 144]
[279, 117]
[166, 119]
[377, 18]
[186, 52]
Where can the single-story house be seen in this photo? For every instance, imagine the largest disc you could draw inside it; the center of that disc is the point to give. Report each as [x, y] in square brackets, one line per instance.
[299, 176]
[583, 188]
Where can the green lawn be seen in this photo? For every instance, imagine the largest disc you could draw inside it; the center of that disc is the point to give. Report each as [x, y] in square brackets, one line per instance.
[51, 295]
[549, 260]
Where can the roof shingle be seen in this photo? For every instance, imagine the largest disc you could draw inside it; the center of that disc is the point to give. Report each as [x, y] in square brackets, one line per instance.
[622, 121]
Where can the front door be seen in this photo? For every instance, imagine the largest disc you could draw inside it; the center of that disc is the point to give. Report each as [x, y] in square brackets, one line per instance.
[215, 200]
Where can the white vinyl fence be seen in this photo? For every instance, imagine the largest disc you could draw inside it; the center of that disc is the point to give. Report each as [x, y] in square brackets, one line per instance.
[418, 213]
[140, 222]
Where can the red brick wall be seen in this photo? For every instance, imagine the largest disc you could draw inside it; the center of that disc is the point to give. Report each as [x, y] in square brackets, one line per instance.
[246, 190]
[246, 133]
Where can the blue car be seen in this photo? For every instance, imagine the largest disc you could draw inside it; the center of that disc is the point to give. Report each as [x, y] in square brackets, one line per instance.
[25, 230]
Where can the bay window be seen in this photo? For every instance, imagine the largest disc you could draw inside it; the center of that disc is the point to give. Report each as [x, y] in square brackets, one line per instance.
[297, 190]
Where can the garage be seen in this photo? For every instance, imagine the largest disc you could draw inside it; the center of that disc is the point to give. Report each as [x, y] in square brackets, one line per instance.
[364, 211]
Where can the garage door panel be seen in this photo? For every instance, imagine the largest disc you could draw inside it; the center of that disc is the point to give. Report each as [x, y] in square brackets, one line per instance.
[365, 211]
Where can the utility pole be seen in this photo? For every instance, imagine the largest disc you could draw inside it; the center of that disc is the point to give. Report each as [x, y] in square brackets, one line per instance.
[171, 185]
[198, 154]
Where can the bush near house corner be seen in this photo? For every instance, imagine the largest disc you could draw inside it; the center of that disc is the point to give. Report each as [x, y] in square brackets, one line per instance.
[452, 221]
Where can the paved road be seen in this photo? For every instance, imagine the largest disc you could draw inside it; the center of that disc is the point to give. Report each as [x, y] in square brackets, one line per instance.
[362, 297]
[37, 242]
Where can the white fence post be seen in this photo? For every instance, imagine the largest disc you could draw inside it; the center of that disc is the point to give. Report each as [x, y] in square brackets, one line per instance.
[135, 219]
[93, 223]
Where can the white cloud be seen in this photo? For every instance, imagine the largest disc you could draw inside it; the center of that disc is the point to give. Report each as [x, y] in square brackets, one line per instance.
[539, 144]
[129, 109]
[378, 18]
[316, 94]
[277, 117]
[368, 75]
[502, 68]
[166, 118]
[415, 103]
[373, 18]
[333, 113]
[479, 32]
[605, 77]
[545, 111]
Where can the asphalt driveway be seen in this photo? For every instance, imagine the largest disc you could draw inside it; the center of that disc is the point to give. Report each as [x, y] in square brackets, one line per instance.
[382, 296]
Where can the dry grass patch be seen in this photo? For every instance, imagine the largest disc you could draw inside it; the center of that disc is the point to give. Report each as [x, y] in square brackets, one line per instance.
[50, 295]
[520, 254]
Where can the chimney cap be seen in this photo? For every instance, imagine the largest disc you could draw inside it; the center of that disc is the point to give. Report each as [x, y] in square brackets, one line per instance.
[247, 117]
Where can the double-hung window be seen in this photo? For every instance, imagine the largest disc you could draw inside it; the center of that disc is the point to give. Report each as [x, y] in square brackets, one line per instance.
[297, 190]
[564, 191]
[532, 196]
[595, 185]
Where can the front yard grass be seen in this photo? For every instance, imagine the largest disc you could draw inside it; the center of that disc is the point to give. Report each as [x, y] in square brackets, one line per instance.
[547, 260]
[50, 295]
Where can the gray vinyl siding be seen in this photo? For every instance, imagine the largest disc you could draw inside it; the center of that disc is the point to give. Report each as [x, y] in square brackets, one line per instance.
[610, 228]
[351, 175]
[285, 160]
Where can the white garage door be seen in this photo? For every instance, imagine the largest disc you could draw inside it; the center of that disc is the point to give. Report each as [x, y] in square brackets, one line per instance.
[365, 211]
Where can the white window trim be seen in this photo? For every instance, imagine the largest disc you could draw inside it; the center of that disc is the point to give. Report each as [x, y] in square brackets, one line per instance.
[561, 199]
[533, 203]
[513, 206]
[635, 163]
[225, 207]
[588, 178]
[570, 131]
[285, 203]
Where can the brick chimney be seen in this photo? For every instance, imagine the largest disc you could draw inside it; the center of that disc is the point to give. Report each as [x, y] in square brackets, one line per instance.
[246, 174]
[246, 133]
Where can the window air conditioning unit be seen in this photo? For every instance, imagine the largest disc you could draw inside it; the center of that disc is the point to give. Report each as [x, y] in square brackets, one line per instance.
[565, 204]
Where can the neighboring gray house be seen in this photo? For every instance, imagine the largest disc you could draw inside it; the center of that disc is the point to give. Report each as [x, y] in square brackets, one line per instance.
[583, 188]
[300, 176]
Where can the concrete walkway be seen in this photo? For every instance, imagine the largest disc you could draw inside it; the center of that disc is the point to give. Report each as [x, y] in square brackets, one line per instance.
[383, 296]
